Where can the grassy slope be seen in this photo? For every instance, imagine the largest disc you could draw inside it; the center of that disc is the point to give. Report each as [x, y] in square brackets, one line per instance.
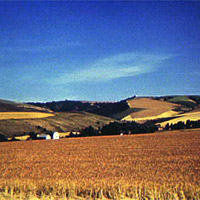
[62, 122]
[17, 119]
[181, 108]
[183, 100]
[140, 109]
[191, 107]
[67, 121]
[126, 113]
[193, 116]
[11, 106]
[150, 109]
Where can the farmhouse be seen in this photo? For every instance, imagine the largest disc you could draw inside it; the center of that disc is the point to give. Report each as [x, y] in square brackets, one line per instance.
[55, 136]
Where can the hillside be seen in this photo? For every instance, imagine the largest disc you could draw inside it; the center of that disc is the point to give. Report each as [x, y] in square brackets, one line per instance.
[149, 108]
[168, 109]
[192, 116]
[64, 116]
[190, 101]
[18, 119]
[62, 122]
[11, 106]
[129, 108]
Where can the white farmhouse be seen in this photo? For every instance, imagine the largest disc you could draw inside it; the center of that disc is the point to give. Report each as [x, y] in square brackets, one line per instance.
[55, 136]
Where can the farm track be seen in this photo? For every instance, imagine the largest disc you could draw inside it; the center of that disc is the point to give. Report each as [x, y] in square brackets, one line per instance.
[150, 166]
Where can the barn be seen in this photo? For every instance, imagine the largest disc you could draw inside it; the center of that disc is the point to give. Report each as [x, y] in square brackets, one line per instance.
[44, 137]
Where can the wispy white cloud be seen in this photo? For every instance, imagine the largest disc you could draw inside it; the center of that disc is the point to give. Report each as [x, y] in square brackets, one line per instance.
[117, 66]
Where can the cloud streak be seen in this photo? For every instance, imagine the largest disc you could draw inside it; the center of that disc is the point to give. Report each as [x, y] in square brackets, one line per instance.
[117, 66]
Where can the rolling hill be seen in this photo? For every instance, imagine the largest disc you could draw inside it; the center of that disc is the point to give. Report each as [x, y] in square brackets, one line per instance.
[18, 119]
[168, 109]
[192, 116]
[132, 109]
[149, 109]
[11, 106]
[62, 122]
[128, 108]
[65, 116]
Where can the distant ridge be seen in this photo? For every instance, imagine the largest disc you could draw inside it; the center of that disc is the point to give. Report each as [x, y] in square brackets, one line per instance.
[118, 109]
[11, 106]
[107, 109]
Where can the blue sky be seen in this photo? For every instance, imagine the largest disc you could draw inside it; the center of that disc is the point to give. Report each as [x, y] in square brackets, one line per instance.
[104, 51]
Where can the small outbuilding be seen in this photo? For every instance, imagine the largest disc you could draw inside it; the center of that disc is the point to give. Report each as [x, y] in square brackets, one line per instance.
[44, 137]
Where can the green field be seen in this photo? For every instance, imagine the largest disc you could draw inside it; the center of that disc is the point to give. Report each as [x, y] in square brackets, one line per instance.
[183, 100]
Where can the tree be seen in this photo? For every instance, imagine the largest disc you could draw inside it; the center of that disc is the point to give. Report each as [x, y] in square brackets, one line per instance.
[113, 128]
[89, 131]
[3, 138]
[167, 126]
[33, 135]
[188, 124]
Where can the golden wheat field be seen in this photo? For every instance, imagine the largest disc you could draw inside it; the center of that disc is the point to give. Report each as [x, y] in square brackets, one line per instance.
[184, 117]
[23, 115]
[156, 166]
[150, 109]
[163, 115]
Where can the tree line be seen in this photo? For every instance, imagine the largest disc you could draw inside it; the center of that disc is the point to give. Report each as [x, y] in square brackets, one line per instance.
[183, 125]
[101, 108]
[117, 128]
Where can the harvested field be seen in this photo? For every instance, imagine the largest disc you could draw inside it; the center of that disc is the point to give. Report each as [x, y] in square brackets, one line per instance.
[163, 115]
[150, 166]
[24, 115]
[150, 109]
[68, 121]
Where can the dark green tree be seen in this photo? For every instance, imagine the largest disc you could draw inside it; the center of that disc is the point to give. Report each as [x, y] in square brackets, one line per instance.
[167, 126]
[33, 135]
[3, 138]
[89, 131]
